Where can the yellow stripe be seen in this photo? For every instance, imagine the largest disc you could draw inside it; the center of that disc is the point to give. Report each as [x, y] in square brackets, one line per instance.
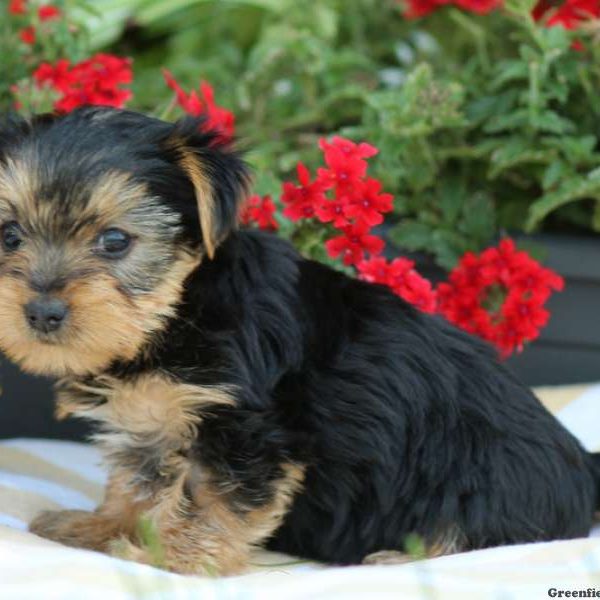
[556, 398]
[24, 505]
[22, 463]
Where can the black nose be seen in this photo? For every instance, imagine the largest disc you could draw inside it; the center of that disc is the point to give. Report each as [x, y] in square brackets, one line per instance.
[46, 313]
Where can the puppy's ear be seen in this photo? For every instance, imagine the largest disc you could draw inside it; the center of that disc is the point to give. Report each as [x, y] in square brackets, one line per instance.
[219, 176]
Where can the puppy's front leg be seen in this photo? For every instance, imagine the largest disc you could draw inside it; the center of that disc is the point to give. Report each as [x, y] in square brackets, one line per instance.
[206, 530]
[116, 516]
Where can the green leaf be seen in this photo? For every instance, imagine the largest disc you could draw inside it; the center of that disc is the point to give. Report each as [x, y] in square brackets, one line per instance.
[552, 122]
[508, 71]
[516, 120]
[485, 107]
[503, 160]
[554, 172]
[558, 41]
[152, 11]
[478, 219]
[451, 199]
[325, 19]
[576, 149]
[570, 190]
[411, 235]
[448, 247]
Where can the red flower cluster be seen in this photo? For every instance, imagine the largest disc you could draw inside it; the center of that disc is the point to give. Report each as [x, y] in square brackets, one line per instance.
[421, 8]
[499, 296]
[570, 15]
[218, 118]
[97, 80]
[17, 7]
[27, 35]
[342, 195]
[401, 277]
[46, 12]
[260, 211]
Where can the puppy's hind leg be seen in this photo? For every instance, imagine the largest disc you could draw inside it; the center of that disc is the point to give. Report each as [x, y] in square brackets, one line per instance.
[208, 531]
[416, 549]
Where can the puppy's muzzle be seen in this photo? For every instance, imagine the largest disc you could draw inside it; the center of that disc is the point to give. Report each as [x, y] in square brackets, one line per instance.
[46, 313]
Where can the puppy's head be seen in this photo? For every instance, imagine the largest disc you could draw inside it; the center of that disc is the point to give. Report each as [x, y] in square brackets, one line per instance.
[103, 215]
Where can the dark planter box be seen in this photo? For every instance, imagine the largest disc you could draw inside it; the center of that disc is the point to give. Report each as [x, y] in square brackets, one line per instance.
[568, 350]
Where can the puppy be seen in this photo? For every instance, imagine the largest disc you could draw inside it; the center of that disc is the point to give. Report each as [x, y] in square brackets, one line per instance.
[245, 395]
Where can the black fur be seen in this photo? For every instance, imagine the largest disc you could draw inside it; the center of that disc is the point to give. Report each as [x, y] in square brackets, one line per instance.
[406, 424]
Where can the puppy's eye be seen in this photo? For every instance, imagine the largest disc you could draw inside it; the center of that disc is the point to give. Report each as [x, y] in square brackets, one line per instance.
[114, 243]
[12, 236]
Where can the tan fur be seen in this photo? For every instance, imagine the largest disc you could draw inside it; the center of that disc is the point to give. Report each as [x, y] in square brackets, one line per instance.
[162, 412]
[201, 526]
[104, 325]
[17, 187]
[451, 542]
[206, 536]
[111, 197]
[202, 535]
[204, 198]
[118, 515]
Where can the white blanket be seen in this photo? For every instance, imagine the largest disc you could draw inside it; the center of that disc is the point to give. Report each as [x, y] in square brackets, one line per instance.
[37, 475]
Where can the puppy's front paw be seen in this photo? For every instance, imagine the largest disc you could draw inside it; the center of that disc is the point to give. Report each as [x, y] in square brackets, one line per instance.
[156, 556]
[124, 548]
[77, 528]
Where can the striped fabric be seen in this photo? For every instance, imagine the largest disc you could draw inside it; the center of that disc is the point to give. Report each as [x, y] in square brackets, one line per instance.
[38, 474]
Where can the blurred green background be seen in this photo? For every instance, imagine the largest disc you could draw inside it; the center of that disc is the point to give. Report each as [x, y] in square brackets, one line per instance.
[486, 124]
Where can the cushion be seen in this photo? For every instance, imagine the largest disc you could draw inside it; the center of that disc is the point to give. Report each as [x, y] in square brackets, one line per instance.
[42, 474]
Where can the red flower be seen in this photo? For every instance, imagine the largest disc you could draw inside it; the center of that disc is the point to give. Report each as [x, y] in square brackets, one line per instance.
[348, 147]
[541, 8]
[17, 7]
[96, 80]
[260, 211]
[333, 211]
[218, 118]
[27, 35]
[48, 12]
[303, 200]
[402, 278]
[344, 171]
[57, 76]
[480, 7]
[374, 270]
[353, 244]
[499, 295]
[570, 15]
[573, 12]
[421, 8]
[367, 203]
[343, 196]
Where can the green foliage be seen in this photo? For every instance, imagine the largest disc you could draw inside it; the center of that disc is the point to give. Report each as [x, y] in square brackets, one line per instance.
[484, 123]
[53, 40]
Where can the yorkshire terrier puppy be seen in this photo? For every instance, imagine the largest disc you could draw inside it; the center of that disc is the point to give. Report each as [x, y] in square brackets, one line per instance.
[247, 396]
